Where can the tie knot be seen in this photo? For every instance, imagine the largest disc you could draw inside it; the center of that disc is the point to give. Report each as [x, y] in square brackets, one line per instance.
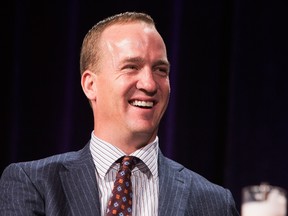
[128, 162]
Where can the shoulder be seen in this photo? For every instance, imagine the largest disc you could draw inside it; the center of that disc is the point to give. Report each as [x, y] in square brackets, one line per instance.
[192, 178]
[45, 166]
[198, 189]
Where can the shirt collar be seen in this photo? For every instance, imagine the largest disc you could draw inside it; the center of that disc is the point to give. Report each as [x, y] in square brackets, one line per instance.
[105, 154]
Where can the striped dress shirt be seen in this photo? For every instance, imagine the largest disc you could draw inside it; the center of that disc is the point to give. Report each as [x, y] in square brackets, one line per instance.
[145, 181]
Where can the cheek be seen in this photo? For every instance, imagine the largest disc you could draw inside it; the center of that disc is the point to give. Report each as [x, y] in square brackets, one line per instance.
[165, 87]
[125, 85]
[112, 93]
[104, 87]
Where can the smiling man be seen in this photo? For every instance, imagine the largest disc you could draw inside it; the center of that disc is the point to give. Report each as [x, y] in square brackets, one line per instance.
[129, 86]
[125, 76]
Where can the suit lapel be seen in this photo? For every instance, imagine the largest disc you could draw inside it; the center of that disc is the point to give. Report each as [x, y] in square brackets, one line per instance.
[172, 186]
[80, 185]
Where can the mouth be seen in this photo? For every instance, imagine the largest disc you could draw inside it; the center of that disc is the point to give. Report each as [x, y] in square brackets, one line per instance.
[142, 104]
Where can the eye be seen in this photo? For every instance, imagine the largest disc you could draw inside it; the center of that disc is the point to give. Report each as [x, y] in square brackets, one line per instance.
[162, 70]
[130, 67]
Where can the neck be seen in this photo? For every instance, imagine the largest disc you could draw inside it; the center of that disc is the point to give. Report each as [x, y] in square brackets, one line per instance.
[127, 144]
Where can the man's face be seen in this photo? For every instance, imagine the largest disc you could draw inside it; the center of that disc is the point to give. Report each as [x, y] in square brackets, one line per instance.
[132, 84]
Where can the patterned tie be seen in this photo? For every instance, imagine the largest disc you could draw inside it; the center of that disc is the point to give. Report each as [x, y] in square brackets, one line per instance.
[121, 201]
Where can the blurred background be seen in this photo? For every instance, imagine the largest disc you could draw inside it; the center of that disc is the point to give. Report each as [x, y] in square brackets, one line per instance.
[228, 113]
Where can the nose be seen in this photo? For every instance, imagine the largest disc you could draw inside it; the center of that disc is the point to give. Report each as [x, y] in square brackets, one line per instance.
[147, 82]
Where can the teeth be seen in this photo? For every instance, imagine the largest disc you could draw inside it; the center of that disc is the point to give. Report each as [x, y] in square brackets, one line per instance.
[142, 103]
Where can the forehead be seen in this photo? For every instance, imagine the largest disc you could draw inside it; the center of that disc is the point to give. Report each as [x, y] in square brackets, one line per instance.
[119, 30]
[133, 35]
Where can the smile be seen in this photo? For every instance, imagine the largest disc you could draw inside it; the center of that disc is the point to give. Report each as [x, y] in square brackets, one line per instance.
[143, 104]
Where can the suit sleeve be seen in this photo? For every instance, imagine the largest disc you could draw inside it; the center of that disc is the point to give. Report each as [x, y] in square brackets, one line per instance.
[18, 194]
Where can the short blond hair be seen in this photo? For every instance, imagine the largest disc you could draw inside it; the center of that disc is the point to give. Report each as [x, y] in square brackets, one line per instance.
[90, 51]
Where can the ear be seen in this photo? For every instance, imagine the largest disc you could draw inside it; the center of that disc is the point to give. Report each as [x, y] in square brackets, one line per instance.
[88, 84]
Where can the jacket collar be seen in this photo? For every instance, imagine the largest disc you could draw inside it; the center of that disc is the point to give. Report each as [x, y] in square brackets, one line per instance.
[80, 185]
[172, 187]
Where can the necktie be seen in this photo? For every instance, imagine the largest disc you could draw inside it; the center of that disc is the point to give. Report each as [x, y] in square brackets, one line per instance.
[120, 202]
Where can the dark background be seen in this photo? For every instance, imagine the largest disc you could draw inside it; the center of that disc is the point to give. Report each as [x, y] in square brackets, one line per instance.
[228, 113]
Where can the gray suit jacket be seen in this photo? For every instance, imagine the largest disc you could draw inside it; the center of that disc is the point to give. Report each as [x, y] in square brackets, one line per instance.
[65, 184]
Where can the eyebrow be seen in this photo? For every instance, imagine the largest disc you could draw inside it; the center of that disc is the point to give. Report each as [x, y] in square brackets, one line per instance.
[140, 60]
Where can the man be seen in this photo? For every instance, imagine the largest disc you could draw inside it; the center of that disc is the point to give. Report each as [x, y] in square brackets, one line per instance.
[125, 76]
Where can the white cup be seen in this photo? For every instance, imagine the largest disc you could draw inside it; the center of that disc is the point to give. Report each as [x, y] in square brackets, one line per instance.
[263, 200]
